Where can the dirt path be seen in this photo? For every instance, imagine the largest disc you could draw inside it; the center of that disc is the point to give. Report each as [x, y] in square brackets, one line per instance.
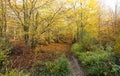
[76, 69]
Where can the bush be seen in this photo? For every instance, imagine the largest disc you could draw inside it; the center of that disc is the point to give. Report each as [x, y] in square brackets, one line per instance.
[58, 67]
[13, 73]
[116, 51]
[117, 47]
[4, 52]
[76, 48]
[99, 63]
[86, 44]
[82, 47]
[9, 74]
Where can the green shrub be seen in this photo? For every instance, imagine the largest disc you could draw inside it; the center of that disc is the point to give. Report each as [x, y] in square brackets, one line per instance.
[9, 74]
[4, 52]
[116, 51]
[76, 48]
[115, 70]
[82, 47]
[3, 60]
[13, 73]
[86, 44]
[58, 67]
[98, 63]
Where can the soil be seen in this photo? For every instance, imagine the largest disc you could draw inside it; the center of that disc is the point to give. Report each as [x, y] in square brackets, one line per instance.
[76, 68]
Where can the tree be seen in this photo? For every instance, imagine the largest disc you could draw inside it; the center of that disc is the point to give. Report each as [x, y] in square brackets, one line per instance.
[3, 18]
[85, 16]
[34, 19]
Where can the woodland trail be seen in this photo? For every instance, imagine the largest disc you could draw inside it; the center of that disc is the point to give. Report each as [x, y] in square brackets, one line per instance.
[76, 69]
[26, 57]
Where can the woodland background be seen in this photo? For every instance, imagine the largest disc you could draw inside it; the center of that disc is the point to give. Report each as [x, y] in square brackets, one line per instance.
[35, 29]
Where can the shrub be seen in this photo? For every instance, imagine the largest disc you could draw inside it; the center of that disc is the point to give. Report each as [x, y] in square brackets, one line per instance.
[116, 51]
[115, 70]
[13, 73]
[9, 74]
[3, 60]
[98, 63]
[86, 44]
[58, 67]
[117, 47]
[4, 52]
[76, 48]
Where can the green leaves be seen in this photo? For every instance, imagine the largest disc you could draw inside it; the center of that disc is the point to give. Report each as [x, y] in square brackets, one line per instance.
[98, 61]
[58, 67]
[4, 52]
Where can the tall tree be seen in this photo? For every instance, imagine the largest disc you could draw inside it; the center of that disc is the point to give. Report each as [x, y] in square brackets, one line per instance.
[3, 17]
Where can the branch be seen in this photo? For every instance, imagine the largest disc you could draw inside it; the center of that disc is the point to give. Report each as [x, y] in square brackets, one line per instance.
[51, 20]
[15, 11]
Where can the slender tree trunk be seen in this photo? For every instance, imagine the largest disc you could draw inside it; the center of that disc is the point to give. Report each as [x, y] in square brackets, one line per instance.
[3, 26]
[116, 16]
[26, 26]
[36, 24]
[99, 28]
[81, 23]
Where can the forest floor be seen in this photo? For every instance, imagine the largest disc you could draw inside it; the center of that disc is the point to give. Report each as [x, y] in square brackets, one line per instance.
[24, 58]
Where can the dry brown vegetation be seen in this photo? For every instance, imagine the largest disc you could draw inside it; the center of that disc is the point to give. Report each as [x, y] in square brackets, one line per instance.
[23, 57]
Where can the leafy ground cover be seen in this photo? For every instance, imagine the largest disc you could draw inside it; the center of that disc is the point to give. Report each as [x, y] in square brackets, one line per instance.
[44, 60]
